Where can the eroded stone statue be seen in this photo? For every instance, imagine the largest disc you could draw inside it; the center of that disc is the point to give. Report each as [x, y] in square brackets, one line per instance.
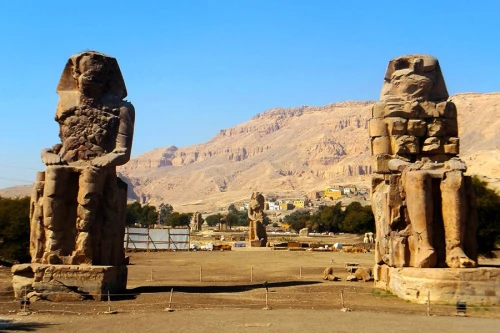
[78, 203]
[423, 204]
[258, 234]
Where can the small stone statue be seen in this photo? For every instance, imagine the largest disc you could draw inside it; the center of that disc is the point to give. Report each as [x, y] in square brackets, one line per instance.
[255, 215]
[78, 203]
[423, 204]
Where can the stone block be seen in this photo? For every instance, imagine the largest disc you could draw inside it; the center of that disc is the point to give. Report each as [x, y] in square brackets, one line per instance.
[396, 126]
[69, 282]
[436, 127]
[377, 127]
[476, 286]
[433, 145]
[378, 110]
[442, 127]
[451, 146]
[416, 127]
[404, 144]
[446, 110]
[380, 163]
[381, 145]
[428, 110]
[400, 110]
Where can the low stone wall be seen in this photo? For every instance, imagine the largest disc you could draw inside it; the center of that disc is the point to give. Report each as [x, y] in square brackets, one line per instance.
[68, 282]
[478, 286]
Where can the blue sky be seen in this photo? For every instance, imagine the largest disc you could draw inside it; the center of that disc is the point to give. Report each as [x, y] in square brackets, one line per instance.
[195, 67]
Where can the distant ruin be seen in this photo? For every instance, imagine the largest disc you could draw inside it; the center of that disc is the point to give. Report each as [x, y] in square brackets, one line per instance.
[257, 230]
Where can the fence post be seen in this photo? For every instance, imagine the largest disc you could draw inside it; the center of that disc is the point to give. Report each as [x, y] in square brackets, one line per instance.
[148, 241]
[169, 309]
[151, 276]
[342, 298]
[127, 231]
[428, 302]
[300, 272]
[200, 274]
[251, 273]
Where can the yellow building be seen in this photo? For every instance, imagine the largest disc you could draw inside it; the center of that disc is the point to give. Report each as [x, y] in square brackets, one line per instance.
[332, 193]
[299, 203]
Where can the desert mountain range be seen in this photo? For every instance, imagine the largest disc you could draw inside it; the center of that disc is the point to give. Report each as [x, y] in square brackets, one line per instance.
[288, 152]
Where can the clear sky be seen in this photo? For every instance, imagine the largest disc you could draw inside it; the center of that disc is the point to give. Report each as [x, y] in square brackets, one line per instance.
[195, 67]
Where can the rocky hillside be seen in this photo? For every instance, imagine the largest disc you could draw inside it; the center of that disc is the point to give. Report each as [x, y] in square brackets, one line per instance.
[289, 152]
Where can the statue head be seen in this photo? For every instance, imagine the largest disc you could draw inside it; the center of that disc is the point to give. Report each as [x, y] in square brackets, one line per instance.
[257, 201]
[414, 77]
[93, 75]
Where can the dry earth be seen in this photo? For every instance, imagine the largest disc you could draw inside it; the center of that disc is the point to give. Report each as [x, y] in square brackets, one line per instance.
[227, 300]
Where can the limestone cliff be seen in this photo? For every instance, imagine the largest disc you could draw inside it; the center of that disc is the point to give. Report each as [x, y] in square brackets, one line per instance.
[293, 151]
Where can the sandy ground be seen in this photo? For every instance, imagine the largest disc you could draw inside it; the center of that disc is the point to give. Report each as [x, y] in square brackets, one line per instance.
[231, 297]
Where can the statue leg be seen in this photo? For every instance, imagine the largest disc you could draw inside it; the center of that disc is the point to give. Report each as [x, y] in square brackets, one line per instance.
[418, 188]
[454, 218]
[37, 232]
[113, 230]
[54, 212]
[89, 197]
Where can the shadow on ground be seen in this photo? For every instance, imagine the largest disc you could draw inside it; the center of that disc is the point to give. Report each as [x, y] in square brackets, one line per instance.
[217, 289]
[16, 326]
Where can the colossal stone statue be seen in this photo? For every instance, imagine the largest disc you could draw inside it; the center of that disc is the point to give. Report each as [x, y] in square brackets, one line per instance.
[78, 203]
[423, 204]
[258, 235]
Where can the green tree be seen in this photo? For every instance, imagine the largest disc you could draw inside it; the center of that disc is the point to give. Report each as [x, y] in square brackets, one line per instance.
[358, 219]
[232, 209]
[298, 219]
[179, 219]
[488, 213]
[144, 215]
[165, 210]
[14, 229]
[212, 220]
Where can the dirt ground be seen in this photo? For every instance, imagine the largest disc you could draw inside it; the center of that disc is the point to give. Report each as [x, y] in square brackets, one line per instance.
[231, 296]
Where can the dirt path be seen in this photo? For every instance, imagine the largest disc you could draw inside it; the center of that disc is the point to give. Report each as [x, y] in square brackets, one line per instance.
[231, 296]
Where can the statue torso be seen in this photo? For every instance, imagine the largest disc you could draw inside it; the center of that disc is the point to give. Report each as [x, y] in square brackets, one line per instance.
[87, 132]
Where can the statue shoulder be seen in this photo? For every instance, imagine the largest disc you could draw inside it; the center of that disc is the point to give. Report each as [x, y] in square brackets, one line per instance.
[127, 111]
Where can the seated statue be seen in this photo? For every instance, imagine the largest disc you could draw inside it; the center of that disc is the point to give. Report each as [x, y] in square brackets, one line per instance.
[78, 203]
[423, 203]
[258, 232]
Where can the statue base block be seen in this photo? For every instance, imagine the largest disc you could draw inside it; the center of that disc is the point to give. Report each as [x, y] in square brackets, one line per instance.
[68, 282]
[476, 286]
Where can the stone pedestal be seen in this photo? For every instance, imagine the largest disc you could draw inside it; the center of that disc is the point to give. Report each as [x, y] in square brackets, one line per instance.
[477, 286]
[68, 282]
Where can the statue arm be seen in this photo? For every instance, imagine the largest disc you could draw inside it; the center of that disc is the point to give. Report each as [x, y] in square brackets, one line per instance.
[121, 154]
[50, 156]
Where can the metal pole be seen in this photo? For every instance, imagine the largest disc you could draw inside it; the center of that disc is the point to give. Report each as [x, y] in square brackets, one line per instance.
[171, 294]
[342, 298]
[109, 302]
[251, 273]
[148, 241]
[300, 272]
[126, 248]
[200, 274]
[429, 303]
